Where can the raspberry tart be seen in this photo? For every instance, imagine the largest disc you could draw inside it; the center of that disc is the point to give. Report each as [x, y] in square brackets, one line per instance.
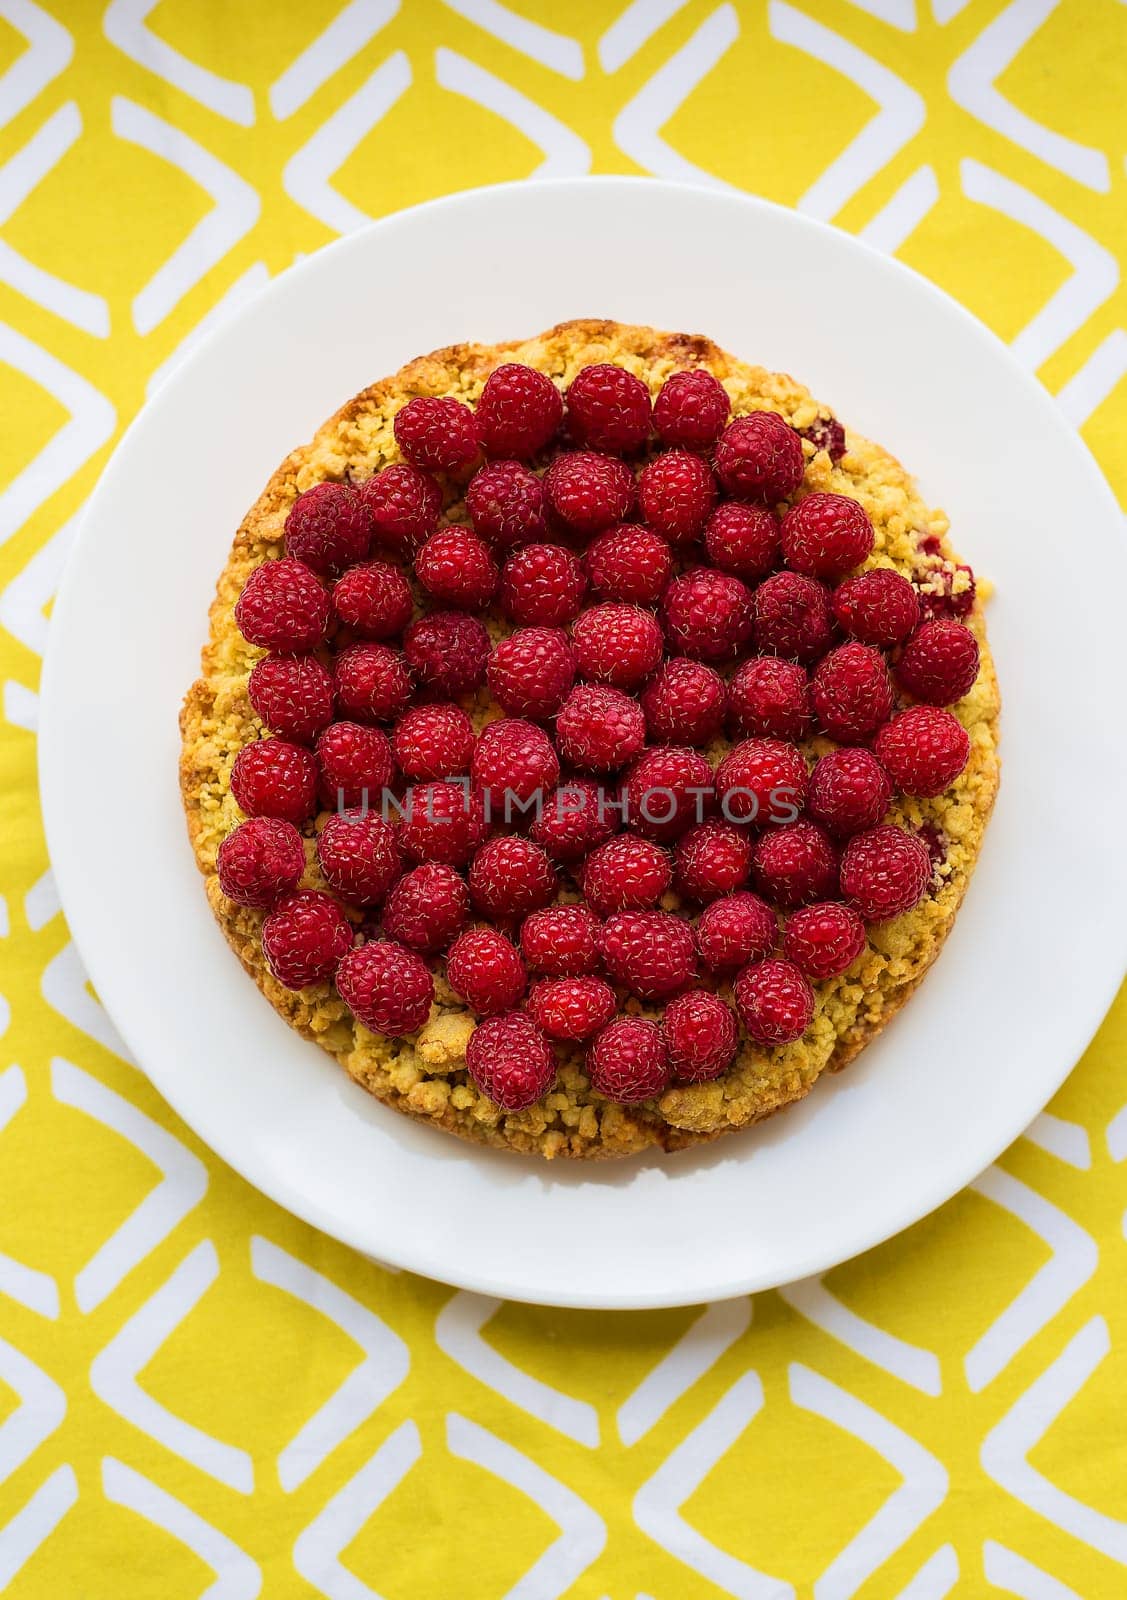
[594, 741]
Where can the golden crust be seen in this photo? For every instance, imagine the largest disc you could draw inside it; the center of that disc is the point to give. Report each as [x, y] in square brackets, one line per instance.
[425, 1076]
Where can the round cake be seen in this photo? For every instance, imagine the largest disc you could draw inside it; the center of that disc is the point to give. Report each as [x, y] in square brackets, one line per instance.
[593, 743]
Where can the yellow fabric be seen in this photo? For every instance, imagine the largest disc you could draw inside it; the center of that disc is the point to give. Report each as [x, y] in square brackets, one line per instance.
[945, 1415]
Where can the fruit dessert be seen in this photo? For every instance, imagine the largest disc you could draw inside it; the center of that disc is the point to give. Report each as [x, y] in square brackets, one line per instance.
[594, 741]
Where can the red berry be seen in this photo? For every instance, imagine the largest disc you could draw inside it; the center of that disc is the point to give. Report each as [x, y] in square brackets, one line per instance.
[826, 536]
[794, 865]
[386, 988]
[305, 938]
[628, 1063]
[629, 563]
[852, 693]
[733, 931]
[372, 682]
[589, 492]
[293, 695]
[433, 742]
[760, 458]
[684, 703]
[542, 585]
[511, 876]
[485, 970]
[329, 528]
[762, 780]
[742, 539]
[260, 861]
[511, 1061]
[437, 434]
[359, 856]
[676, 492]
[885, 872]
[792, 617]
[939, 663]
[826, 433]
[669, 789]
[947, 591]
[575, 818]
[284, 606]
[923, 750]
[650, 952]
[519, 411]
[712, 860]
[775, 1002]
[769, 698]
[442, 822]
[456, 568]
[514, 765]
[531, 672]
[608, 408]
[627, 873]
[824, 940]
[274, 778]
[849, 792]
[427, 908]
[691, 409]
[617, 644]
[707, 614]
[447, 651]
[878, 607]
[505, 503]
[373, 600]
[572, 1008]
[356, 765]
[404, 504]
[700, 1036]
[599, 728]
[561, 941]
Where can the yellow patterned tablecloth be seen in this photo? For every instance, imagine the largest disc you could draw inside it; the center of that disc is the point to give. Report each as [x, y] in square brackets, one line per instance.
[199, 1395]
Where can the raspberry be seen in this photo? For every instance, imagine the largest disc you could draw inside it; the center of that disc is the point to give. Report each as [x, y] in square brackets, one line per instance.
[849, 792]
[304, 939]
[356, 765]
[284, 607]
[386, 988]
[923, 750]
[542, 585]
[447, 651]
[794, 865]
[519, 411]
[826, 536]
[293, 695]
[511, 876]
[359, 856]
[939, 663]
[627, 873]
[824, 940]
[329, 528]
[792, 617]
[617, 644]
[442, 822]
[274, 778]
[427, 908]
[514, 764]
[712, 860]
[531, 671]
[455, 567]
[769, 698]
[742, 539]
[936, 842]
[572, 1008]
[589, 492]
[691, 409]
[852, 693]
[826, 433]
[650, 952]
[433, 742]
[608, 408]
[599, 729]
[510, 1061]
[404, 504]
[700, 1036]
[629, 563]
[775, 1002]
[684, 703]
[707, 614]
[374, 601]
[260, 861]
[885, 872]
[760, 458]
[437, 434]
[372, 682]
[561, 941]
[948, 591]
[485, 970]
[733, 931]
[676, 492]
[762, 780]
[573, 821]
[628, 1063]
[878, 607]
[668, 790]
[505, 503]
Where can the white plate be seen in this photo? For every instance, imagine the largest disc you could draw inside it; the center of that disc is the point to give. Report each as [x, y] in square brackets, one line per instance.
[1040, 945]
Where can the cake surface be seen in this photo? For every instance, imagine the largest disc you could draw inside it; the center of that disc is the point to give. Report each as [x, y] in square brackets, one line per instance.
[425, 1074]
